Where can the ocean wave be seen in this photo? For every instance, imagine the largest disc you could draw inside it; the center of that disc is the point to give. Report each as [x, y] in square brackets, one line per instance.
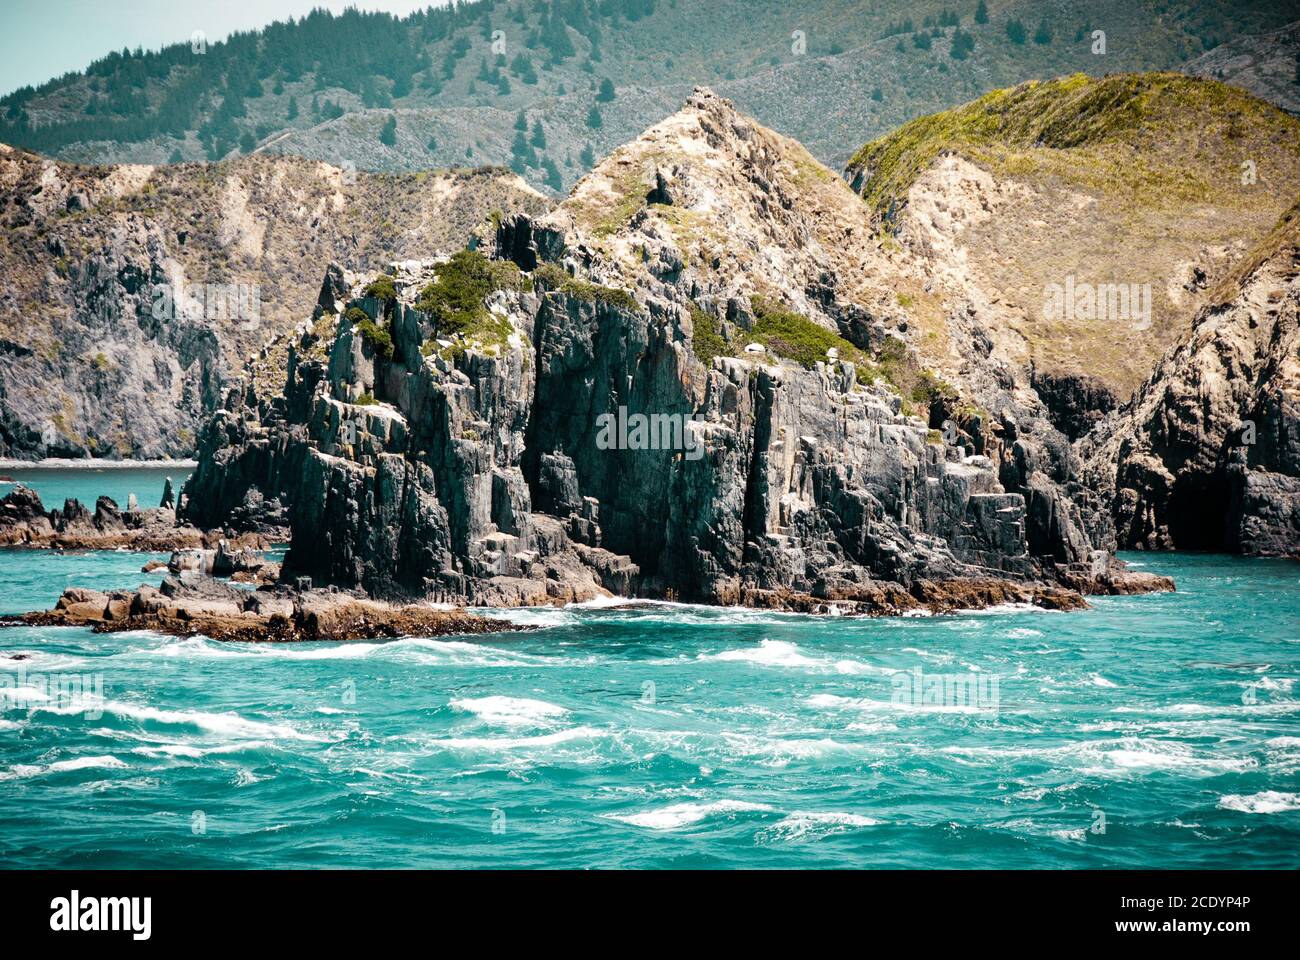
[518, 743]
[425, 651]
[802, 826]
[782, 653]
[1125, 756]
[21, 771]
[1267, 801]
[510, 711]
[193, 751]
[680, 815]
[831, 701]
[222, 724]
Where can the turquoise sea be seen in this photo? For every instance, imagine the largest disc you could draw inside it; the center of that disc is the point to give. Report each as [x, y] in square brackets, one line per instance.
[1155, 731]
[56, 484]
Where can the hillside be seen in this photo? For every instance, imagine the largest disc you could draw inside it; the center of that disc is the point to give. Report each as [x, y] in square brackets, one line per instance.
[1157, 180]
[592, 73]
[1266, 64]
[1217, 422]
[97, 354]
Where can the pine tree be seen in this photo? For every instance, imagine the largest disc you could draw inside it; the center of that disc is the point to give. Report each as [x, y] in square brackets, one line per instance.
[1016, 31]
[521, 121]
[1043, 35]
[388, 135]
[594, 119]
[293, 108]
[606, 92]
[552, 174]
[981, 13]
[539, 135]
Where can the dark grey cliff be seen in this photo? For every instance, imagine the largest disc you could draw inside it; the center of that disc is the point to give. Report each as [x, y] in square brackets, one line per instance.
[460, 469]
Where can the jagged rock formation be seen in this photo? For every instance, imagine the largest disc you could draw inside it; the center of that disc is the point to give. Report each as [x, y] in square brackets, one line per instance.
[24, 521]
[94, 362]
[1207, 454]
[451, 443]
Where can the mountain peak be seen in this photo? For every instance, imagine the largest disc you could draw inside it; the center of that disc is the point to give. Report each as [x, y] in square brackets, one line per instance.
[714, 202]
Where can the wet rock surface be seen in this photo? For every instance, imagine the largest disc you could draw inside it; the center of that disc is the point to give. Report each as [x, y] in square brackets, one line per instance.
[194, 607]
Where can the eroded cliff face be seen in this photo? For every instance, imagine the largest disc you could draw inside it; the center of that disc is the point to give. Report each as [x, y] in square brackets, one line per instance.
[132, 294]
[1207, 454]
[467, 434]
[1162, 188]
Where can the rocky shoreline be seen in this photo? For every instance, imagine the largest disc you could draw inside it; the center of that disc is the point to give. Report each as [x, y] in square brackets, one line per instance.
[24, 522]
[210, 608]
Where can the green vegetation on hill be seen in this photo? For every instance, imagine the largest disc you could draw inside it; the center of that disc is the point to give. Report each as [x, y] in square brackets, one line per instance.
[1138, 132]
[552, 277]
[376, 335]
[787, 335]
[455, 299]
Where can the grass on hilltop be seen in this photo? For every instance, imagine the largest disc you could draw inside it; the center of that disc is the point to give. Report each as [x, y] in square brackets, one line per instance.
[1140, 133]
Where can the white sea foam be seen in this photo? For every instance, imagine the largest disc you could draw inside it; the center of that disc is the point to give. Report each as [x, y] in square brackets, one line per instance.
[221, 724]
[779, 751]
[518, 743]
[20, 771]
[1097, 680]
[804, 825]
[1126, 756]
[830, 701]
[684, 814]
[1267, 801]
[782, 653]
[601, 603]
[193, 751]
[510, 711]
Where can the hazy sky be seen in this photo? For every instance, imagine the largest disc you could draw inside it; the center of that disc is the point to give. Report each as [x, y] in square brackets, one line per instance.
[41, 39]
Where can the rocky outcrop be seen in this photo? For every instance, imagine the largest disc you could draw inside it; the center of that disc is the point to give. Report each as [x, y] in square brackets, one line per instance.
[134, 295]
[25, 522]
[621, 407]
[1207, 454]
[186, 608]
